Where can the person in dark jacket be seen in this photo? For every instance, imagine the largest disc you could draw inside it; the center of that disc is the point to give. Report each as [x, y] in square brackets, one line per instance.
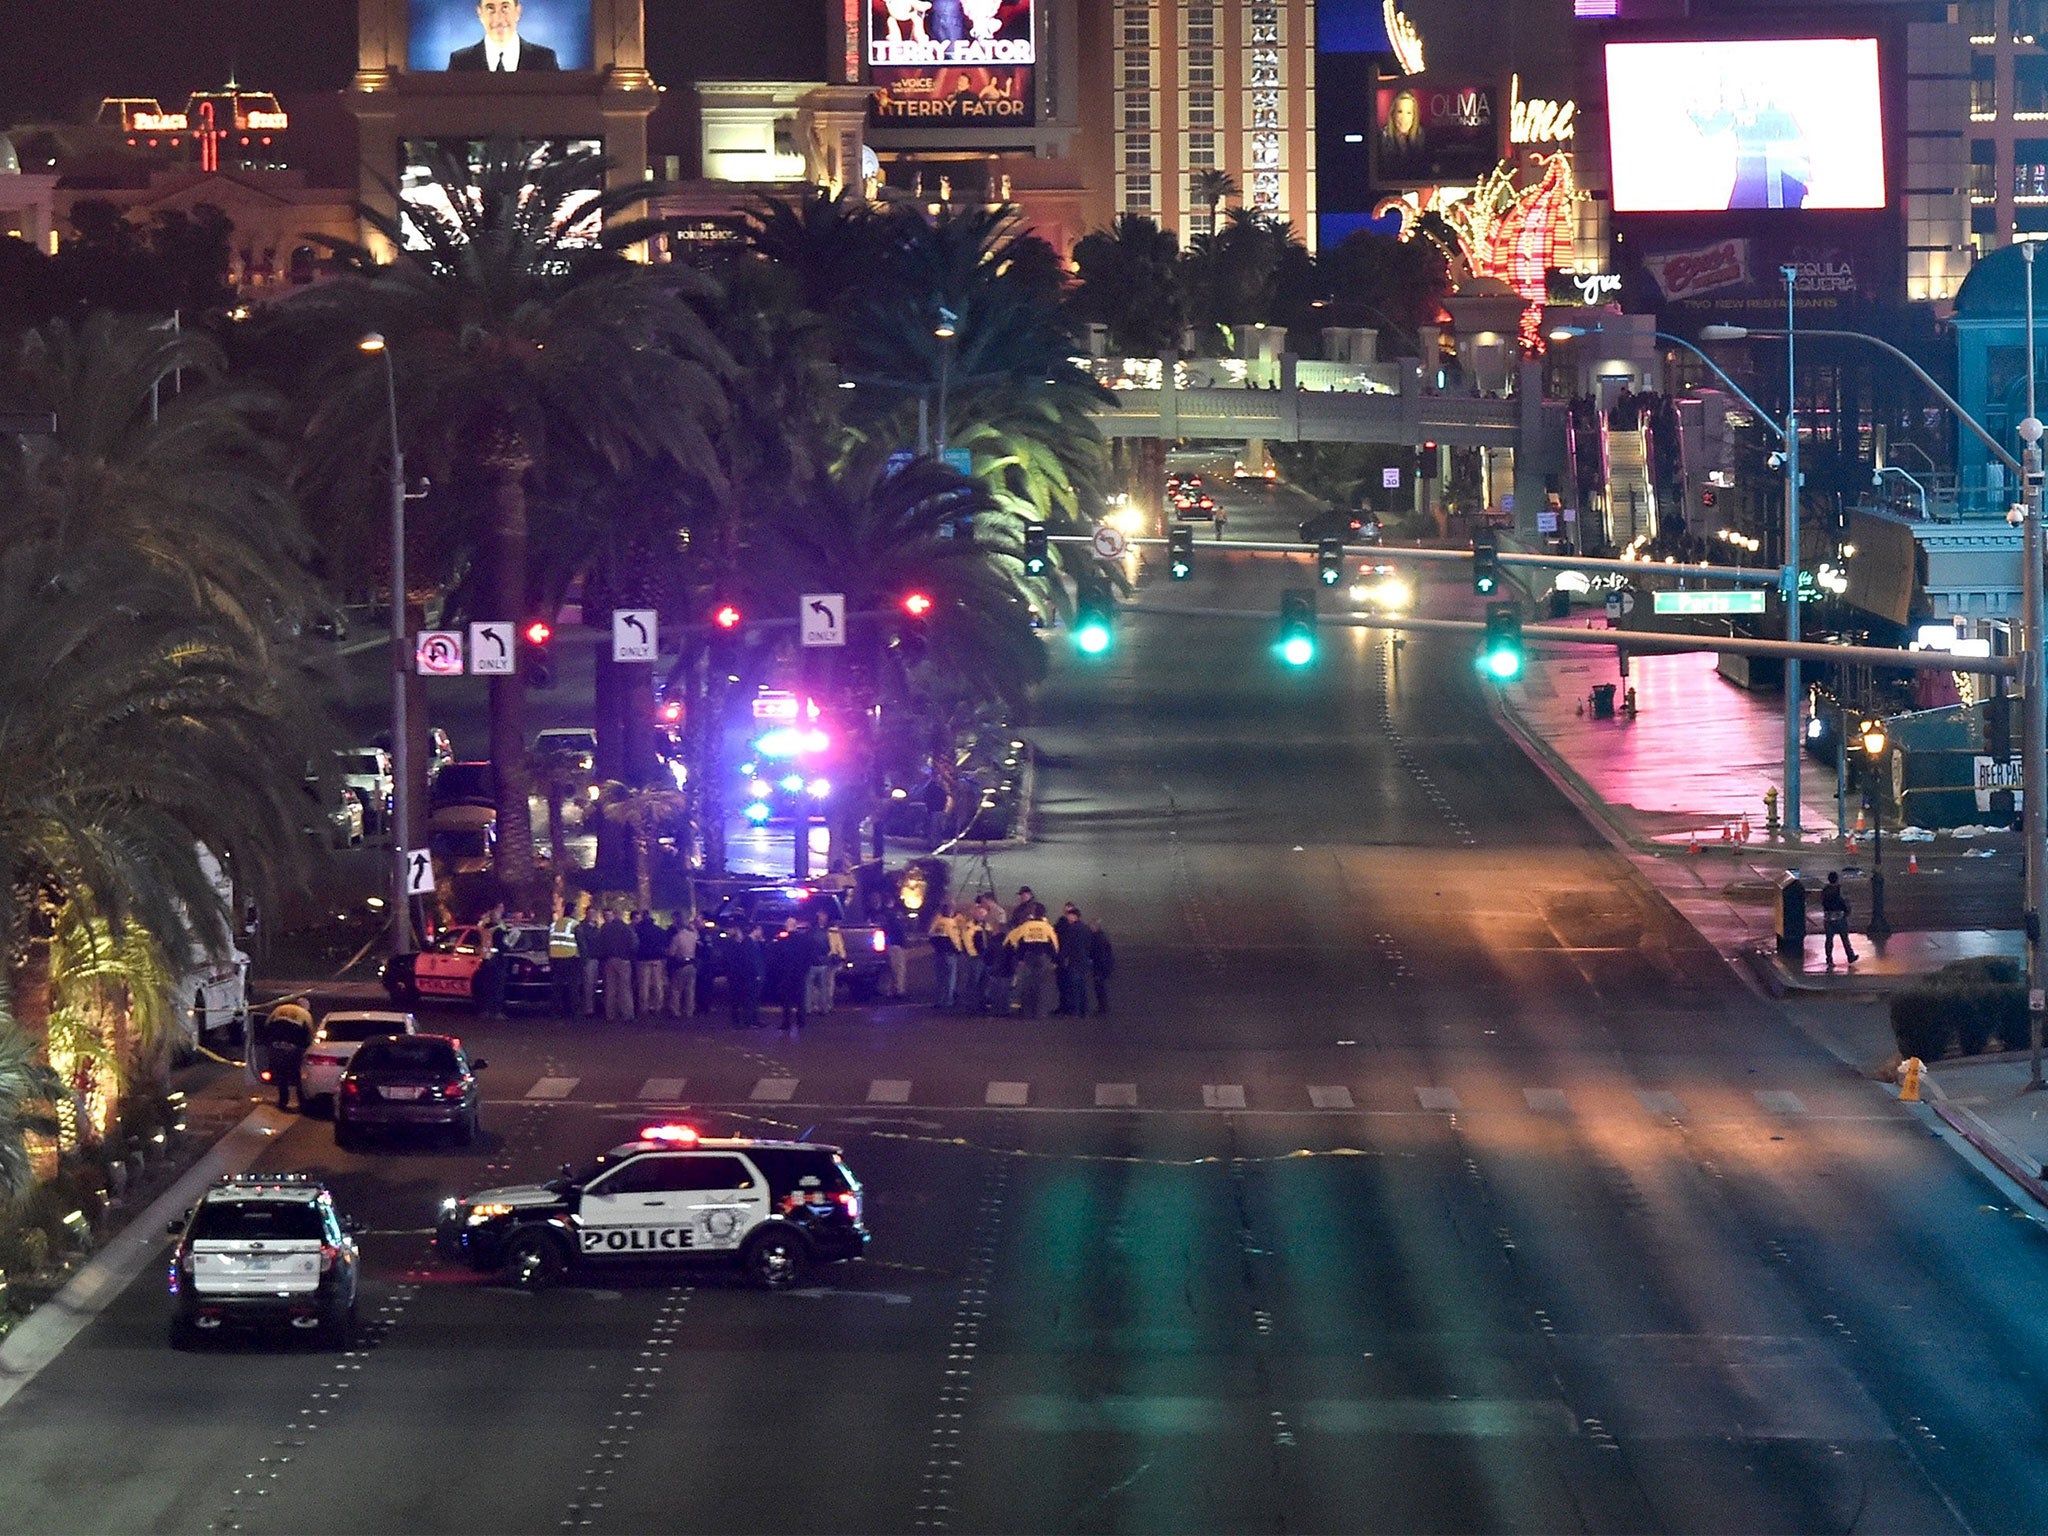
[1076, 963]
[589, 960]
[286, 1035]
[1104, 966]
[650, 965]
[1834, 919]
[747, 969]
[616, 947]
[788, 966]
[493, 979]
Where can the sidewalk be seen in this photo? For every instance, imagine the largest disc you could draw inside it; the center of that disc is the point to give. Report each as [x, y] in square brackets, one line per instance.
[1672, 787]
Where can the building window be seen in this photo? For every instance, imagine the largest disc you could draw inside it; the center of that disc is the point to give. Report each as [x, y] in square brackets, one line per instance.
[1201, 27]
[1202, 151]
[1201, 107]
[1981, 17]
[1265, 24]
[1983, 171]
[1266, 67]
[1265, 150]
[2029, 20]
[2030, 87]
[1983, 88]
[1137, 71]
[1137, 194]
[1201, 69]
[1138, 152]
[1137, 113]
[1137, 28]
[1265, 109]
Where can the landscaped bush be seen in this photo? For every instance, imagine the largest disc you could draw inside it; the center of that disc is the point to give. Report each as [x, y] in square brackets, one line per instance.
[1923, 1022]
[1964, 1006]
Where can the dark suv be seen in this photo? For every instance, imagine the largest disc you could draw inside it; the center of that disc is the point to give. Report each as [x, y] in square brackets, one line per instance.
[398, 1082]
[264, 1248]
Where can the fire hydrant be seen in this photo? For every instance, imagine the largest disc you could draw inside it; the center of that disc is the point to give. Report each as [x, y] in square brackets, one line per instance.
[1909, 1080]
[1771, 811]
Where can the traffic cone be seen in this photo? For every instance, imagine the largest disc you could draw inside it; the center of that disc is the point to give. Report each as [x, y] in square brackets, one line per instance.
[1859, 820]
[1727, 832]
[1693, 846]
[1744, 837]
[1912, 863]
[1850, 845]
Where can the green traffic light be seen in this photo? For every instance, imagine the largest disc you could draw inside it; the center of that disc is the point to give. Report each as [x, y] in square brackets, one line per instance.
[1182, 570]
[1092, 638]
[1297, 650]
[1503, 665]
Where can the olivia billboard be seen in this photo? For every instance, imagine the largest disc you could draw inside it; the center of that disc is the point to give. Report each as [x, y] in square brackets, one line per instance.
[1767, 124]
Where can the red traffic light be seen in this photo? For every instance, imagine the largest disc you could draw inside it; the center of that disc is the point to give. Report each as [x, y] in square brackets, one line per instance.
[917, 604]
[539, 632]
[726, 616]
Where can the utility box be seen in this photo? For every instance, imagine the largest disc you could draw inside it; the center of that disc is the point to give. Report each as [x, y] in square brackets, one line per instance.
[1603, 701]
[1791, 915]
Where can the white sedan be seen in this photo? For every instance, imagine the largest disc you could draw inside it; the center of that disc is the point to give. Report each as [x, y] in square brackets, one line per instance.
[336, 1041]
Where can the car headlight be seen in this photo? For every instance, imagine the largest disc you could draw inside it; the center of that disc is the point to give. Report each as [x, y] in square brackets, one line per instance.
[490, 1210]
[1396, 593]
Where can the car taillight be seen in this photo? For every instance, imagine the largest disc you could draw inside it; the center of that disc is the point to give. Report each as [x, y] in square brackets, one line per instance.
[265, 1074]
[879, 940]
[328, 1254]
[350, 1088]
[452, 1090]
[850, 1202]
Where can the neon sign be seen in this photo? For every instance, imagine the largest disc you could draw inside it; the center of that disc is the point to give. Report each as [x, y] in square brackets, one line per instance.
[1537, 120]
[1407, 42]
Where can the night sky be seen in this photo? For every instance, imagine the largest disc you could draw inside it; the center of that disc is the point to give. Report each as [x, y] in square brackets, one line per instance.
[62, 56]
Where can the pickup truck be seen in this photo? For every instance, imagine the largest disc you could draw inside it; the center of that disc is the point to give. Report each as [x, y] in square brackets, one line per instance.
[866, 970]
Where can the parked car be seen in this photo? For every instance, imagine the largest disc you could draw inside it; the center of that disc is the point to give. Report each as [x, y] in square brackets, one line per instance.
[336, 815]
[463, 839]
[440, 751]
[367, 771]
[578, 741]
[866, 967]
[470, 783]
[404, 1082]
[335, 1043]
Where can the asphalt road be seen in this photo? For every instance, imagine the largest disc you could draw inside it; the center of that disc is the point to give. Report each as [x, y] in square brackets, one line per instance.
[1532, 1218]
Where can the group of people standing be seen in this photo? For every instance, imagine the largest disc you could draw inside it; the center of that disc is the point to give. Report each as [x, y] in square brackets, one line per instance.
[637, 965]
[992, 960]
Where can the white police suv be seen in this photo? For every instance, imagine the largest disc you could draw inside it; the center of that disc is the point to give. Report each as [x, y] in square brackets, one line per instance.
[264, 1249]
[777, 1208]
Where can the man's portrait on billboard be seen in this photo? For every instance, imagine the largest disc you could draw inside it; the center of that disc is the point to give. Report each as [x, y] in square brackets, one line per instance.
[523, 37]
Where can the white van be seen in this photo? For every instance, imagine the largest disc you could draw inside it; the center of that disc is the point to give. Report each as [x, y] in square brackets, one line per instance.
[213, 991]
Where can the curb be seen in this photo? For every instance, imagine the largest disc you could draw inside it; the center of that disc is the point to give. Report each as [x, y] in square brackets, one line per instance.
[45, 1333]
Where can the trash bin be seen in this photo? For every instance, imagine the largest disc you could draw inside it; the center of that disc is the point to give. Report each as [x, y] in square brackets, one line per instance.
[1560, 603]
[1791, 915]
[1603, 701]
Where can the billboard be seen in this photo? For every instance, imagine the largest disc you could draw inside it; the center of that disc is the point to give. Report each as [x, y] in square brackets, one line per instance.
[419, 189]
[952, 63]
[519, 36]
[1768, 123]
[1739, 279]
[1429, 133]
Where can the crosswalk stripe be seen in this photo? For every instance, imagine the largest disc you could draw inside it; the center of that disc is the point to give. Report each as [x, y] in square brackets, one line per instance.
[1011, 1095]
[1222, 1096]
[665, 1090]
[774, 1090]
[1331, 1098]
[1661, 1103]
[1116, 1095]
[1547, 1101]
[1441, 1099]
[889, 1090]
[1779, 1102]
[553, 1088]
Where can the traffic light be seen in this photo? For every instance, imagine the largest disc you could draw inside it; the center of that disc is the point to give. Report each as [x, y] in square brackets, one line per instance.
[1297, 645]
[1091, 625]
[910, 637]
[1037, 557]
[1485, 564]
[536, 662]
[1426, 462]
[1501, 657]
[1180, 552]
[917, 605]
[727, 617]
[1329, 561]
[726, 623]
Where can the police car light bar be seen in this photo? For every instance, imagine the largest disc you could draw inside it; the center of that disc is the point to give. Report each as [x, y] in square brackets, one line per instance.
[678, 1133]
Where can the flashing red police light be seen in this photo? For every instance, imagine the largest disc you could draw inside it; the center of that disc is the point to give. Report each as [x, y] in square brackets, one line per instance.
[727, 616]
[682, 1134]
[917, 604]
[539, 632]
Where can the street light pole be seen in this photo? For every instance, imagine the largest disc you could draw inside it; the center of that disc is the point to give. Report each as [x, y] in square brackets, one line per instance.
[1794, 692]
[2034, 745]
[401, 662]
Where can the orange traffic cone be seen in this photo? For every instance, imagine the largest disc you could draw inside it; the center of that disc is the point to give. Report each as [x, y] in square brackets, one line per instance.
[1850, 845]
[1912, 863]
[1859, 820]
[1693, 846]
[1743, 837]
[1727, 832]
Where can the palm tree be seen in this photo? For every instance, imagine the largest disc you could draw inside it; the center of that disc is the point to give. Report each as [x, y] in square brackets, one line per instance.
[645, 811]
[525, 355]
[1130, 282]
[25, 1082]
[559, 776]
[1214, 188]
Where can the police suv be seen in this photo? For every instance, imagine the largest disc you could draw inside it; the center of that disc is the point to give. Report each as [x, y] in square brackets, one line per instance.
[264, 1248]
[774, 1207]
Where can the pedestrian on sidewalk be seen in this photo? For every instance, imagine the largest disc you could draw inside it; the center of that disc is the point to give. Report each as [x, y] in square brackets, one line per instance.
[1834, 918]
[1076, 962]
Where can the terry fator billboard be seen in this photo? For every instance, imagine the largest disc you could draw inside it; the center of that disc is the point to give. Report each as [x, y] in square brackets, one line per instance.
[951, 63]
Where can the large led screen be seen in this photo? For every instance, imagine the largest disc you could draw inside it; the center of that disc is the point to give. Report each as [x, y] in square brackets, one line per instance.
[1700, 127]
[518, 36]
[422, 197]
[945, 63]
[1429, 133]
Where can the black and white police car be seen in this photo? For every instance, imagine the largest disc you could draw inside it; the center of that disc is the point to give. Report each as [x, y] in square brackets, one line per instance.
[264, 1248]
[775, 1207]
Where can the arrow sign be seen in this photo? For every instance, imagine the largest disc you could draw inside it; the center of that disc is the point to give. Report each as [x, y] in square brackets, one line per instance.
[419, 872]
[438, 653]
[635, 634]
[822, 617]
[490, 650]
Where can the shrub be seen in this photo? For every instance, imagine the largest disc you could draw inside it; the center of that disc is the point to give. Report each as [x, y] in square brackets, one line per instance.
[1979, 970]
[1923, 1022]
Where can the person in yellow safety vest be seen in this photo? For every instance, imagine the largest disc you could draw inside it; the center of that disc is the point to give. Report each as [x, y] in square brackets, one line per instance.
[949, 941]
[1037, 948]
[563, 970]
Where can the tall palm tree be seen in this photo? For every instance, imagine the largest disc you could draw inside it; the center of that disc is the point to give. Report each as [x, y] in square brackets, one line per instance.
[25, 1083]
[1214, 188]
[1130, 282]
[524, 351]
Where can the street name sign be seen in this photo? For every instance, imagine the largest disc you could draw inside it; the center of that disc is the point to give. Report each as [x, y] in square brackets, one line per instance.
[1707, 604]
[822, 618]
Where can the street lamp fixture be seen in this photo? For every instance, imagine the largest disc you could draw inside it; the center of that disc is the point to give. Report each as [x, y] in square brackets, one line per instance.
[372, 344]
[946, 330]
[1872, 732]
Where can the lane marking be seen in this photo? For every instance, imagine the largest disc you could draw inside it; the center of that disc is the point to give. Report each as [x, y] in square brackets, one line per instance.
[1222, 1096]
[1116, 1095]
[1441, 1100]
[1547, 1101]
[1008, 1095]
[774, 1090]
[1331, 1098]
[553, 1088]
[665, 1089]
[889, 1090]
[1779, 1102]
